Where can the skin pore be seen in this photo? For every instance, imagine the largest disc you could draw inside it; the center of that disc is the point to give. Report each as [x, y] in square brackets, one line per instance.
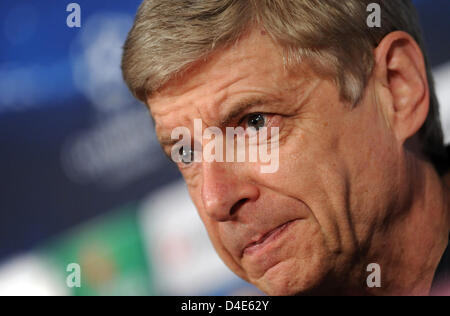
[348, 190]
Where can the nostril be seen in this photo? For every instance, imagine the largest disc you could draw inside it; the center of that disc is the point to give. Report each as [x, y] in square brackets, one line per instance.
[236, 206]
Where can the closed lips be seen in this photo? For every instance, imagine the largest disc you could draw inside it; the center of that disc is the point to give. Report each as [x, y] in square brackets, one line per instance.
[266, 238]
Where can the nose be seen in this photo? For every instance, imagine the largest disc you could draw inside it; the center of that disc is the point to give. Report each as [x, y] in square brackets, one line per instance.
[224, 191]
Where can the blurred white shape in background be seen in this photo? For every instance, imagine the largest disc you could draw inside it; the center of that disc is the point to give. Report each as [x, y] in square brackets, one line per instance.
[183, 259]
[442, 80]
[29, 275]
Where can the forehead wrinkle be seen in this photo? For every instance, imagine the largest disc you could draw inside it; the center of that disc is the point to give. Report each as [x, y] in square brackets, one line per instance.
[164, 131]
[210, 75]
[185, 97]
[210, 110]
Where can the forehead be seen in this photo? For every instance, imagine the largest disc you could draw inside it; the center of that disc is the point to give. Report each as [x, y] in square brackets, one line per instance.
[253, 65]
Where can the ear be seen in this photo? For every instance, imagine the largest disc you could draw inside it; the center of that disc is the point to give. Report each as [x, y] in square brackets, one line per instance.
[402, 80]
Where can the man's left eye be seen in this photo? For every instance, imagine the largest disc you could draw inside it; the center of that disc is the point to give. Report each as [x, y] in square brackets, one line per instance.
[256, 121]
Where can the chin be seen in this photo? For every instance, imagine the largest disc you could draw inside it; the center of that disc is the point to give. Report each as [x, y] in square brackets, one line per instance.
[293, 277]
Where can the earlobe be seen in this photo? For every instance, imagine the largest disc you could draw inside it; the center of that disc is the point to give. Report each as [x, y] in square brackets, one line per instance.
[400, 68]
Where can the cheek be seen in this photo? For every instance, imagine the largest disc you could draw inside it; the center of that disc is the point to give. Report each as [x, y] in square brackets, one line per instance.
[372, 167]
[312, 171]
[308, 164]
[192, 178]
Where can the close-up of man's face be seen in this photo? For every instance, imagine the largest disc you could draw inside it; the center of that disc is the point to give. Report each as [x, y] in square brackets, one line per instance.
[354, 170]
[336, 182]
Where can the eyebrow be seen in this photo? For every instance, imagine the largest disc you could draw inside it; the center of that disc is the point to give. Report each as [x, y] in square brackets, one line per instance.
[166, 141]
[236, 110]
[242, 106]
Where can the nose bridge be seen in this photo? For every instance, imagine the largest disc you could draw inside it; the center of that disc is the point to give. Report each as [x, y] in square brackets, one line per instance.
[223, 191]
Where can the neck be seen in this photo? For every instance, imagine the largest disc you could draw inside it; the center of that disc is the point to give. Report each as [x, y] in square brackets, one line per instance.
[412, 245]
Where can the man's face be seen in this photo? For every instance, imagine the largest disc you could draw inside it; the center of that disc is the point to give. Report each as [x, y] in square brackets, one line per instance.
[291, 230]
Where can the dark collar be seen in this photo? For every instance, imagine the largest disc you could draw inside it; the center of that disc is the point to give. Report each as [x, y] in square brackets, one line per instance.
[442, 274]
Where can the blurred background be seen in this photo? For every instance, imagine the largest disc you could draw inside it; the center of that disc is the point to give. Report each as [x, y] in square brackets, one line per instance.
[82, 177]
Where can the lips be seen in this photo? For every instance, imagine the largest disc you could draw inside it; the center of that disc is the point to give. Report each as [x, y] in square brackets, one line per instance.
[265, 239]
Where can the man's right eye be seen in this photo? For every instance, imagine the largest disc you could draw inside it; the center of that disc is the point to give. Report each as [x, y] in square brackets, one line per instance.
[186, 155]
[256, 121]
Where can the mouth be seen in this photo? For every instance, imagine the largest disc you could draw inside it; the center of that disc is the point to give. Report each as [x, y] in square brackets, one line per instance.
[265, 239]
